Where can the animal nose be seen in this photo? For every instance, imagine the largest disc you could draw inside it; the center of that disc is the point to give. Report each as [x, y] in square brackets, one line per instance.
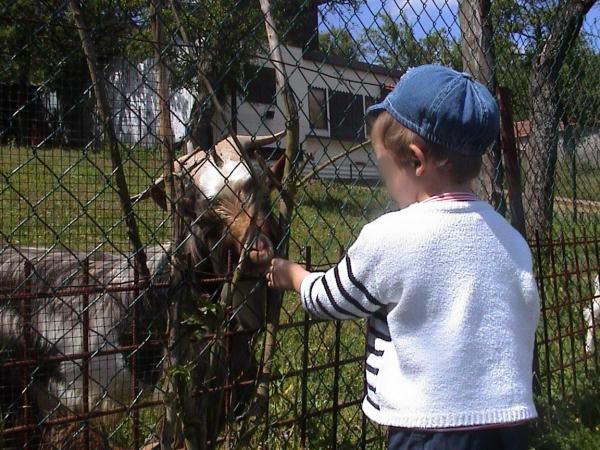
[262, 251]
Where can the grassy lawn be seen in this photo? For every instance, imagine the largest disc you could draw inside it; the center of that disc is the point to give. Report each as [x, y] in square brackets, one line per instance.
[584, 181]
[68, 198]
[60, 196]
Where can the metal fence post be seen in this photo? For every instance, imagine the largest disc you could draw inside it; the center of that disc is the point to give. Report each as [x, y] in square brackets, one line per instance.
[305, 352]
[85, 373]
[25, 307]
[544, 307]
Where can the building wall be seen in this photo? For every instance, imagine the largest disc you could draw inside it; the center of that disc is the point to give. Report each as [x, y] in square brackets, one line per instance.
[303, 74]
[135, 108]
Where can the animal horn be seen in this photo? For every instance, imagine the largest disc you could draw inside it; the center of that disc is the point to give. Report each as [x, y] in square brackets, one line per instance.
[250, 142]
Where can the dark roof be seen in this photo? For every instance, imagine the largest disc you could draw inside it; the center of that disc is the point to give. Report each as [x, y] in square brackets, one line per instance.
[336, 60]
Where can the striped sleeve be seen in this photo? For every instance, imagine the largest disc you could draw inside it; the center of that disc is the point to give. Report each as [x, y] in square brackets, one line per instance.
[347, 291]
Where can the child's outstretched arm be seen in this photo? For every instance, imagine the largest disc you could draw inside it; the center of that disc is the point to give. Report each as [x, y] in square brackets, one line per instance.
[347, 291]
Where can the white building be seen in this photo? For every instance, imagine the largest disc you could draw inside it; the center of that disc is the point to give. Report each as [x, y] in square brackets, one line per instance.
[332, 94]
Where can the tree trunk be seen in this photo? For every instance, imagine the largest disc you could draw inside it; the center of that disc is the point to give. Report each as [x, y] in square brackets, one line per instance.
[478, 60]
[115, 155]
[476, 40]
[545, 113]
[512, 168]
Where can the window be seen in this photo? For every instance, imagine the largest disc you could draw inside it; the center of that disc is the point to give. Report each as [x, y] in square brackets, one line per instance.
[317, 108]
[346, 115]
[259, 84]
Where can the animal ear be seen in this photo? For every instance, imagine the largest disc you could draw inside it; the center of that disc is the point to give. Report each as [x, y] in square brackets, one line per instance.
[186, 203]
[277, 168]
[184, 168]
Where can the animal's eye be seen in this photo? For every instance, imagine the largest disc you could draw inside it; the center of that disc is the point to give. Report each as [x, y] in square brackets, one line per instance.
[249, 186]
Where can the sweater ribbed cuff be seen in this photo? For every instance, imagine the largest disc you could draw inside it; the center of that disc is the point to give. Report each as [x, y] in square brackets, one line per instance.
[393, 418]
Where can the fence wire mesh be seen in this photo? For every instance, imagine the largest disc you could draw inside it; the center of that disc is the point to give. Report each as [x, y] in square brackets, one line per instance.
[143, 193]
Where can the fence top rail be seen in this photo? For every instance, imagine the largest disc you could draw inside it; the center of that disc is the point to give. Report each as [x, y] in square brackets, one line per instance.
[66, 291]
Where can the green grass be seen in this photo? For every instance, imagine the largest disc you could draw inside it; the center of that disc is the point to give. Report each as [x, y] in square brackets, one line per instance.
[66, 197]
[586, 183]
[575, 423]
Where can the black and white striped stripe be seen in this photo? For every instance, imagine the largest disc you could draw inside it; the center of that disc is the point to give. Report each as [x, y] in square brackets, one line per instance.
[341, 293]
[380, 334]
[372, 402]
[373, 351]
[347, 292]
[379, 329]
[378, 342]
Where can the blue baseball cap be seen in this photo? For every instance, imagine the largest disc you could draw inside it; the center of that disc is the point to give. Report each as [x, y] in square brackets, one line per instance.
[445, 107]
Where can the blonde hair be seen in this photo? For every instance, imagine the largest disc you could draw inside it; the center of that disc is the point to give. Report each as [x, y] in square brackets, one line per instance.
[396, 138]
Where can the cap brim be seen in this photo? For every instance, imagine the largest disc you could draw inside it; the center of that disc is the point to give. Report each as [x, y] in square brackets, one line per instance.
[372, 113]
[375, 109]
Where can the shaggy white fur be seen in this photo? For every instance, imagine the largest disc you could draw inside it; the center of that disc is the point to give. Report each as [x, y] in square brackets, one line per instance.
[214, 181]
[591, 316]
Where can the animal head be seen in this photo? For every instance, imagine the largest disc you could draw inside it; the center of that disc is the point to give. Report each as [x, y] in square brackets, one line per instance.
[219, 227]
[224, 200]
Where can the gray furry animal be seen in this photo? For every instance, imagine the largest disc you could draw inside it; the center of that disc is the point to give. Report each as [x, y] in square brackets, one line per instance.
[221, 203]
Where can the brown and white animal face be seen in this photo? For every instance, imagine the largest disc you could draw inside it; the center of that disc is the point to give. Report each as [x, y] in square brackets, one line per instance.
[225, 199]
[245, 220]
[225, 202]
[227, 222]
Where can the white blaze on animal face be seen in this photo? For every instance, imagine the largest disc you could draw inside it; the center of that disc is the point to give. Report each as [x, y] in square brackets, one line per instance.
[222, 169]
[229, 179]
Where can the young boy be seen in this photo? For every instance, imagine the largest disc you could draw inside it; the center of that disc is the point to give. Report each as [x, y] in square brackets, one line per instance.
[446, 281]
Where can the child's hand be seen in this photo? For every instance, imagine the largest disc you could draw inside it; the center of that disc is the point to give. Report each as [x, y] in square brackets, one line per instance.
[285, 275]
[279, 274]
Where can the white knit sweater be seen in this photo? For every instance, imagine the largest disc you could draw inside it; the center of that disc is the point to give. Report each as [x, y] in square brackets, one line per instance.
[453, 309]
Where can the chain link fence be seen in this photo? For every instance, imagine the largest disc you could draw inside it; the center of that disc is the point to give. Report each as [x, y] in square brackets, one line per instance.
[156, 154]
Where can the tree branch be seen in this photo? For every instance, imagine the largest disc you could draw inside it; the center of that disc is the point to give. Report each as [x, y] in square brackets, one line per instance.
[115, 155]
[330, 161]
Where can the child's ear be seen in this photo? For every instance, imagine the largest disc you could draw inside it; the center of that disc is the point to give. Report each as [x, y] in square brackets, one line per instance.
[419, 159]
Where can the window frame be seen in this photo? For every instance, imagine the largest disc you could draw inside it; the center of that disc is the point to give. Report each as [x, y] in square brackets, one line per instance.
[324, 107]
[259, 84]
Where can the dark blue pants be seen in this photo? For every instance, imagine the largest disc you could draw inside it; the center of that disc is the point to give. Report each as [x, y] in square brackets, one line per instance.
[506, 438]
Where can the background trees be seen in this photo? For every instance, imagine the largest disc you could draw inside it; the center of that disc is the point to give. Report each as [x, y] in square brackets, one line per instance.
[538, 51]
[41, 48]
[535, 49]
